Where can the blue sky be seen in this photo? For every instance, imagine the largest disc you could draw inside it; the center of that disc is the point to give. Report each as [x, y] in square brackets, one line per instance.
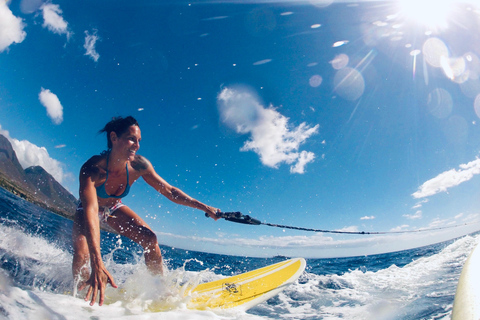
[319, 114]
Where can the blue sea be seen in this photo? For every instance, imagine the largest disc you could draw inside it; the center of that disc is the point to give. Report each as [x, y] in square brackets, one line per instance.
[36, 281]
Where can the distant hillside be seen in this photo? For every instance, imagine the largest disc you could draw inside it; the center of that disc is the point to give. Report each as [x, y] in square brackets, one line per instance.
[33, 184]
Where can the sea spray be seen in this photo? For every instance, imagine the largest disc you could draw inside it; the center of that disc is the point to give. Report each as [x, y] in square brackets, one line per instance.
[141, 291]
[34, 261]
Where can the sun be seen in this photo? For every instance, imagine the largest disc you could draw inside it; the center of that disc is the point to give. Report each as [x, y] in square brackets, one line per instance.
[433, 14]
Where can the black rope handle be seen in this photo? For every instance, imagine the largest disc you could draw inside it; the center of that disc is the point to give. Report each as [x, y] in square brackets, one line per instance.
[237, 217]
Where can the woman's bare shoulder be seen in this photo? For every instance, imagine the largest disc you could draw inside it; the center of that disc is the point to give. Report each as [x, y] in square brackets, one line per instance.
[92, 166]
[140, 163]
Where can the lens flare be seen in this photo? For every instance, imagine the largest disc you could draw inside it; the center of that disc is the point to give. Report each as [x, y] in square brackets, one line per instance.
[433, 14]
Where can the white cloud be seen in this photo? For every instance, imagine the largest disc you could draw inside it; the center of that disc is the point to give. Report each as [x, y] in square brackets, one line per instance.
[11, 27]
[29, 154]
[304, 158]
[271, 136]
[441, 223]
[468, 219]
[416, 215]
[262, 62]
[52, 19]
[448, 179]
[90, 41]
[400, 228]
[348, 229]
[54, 108]
[367, 218]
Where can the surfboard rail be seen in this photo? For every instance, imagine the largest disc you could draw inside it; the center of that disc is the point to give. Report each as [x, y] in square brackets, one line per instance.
[466, 304]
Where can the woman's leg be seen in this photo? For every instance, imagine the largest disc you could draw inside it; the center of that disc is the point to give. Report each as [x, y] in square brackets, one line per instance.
[81, 253]
[126, 222]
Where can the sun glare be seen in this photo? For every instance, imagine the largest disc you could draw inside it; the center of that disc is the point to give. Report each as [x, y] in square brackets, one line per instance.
[433, 14]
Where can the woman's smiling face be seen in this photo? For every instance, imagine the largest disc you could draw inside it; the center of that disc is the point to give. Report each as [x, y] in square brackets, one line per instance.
[129, 142]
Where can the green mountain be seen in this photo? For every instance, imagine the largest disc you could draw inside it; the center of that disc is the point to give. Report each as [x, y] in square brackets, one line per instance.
[34, 184]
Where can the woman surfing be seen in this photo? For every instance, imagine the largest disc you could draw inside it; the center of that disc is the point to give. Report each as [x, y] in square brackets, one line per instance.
[104, 180]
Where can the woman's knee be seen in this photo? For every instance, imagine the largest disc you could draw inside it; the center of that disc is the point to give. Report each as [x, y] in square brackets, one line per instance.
[147, 238]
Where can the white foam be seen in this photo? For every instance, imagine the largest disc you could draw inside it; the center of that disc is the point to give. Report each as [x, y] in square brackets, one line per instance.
[25, 304]
[140, 295]
[384, 294]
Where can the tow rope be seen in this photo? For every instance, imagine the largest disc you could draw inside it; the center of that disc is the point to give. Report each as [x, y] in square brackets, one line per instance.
[238, 217]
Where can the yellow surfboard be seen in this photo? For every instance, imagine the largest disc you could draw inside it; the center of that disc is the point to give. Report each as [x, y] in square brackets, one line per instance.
[245, 290]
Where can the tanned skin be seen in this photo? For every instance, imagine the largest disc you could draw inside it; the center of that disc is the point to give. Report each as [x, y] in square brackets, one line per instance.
[86, 230]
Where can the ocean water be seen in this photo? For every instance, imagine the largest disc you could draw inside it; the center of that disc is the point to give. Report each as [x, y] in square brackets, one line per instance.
[36, 282]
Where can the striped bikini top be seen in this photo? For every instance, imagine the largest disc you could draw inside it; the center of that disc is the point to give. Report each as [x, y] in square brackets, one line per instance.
[102, 193]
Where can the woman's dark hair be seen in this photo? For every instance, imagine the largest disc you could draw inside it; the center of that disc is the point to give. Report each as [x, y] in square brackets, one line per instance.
[119, 125]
